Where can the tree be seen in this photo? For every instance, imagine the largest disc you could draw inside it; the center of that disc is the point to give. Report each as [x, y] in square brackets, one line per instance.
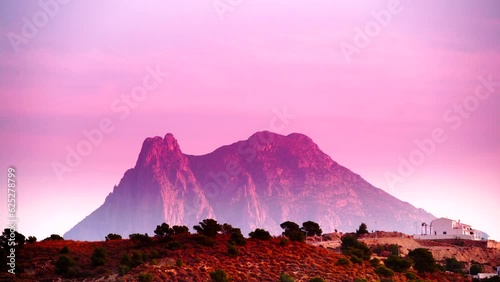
[260, 234]
[423, 261]
[163, 230]
[180, 229]
[237, 238]
[31, 240]
[453, 265]
[292, 231]
[397, 263]
[54, 237]
[226, 228]
[351, 246]
[311, 228]
[475, 269]
[208, 227]
[12, 239]
[363, 229]
[112, 236]
[98, 257]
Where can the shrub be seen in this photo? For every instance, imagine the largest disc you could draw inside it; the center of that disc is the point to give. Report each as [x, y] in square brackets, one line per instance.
[284, 241]
[126, 260]
[232, 250]
[219, 275]
[285, 277]
[343, 261]
[351, 246]
[204, 240]
[363, 229]
[384, 271]
[142, 239]
[123, 269]
[98, 257]
[356, 260]
[180, 229]
[63, 264]
[317, 279]
[174, 245]
[260, 234]
[475, 269]
[112, 236]
[137, 259]
[397, 263]
[411, 276]
[453, 265]
[179, 262]
[145, 277]
[31, 240]
[360, 280]
[54, 237]
[374, 262]
[64, 250]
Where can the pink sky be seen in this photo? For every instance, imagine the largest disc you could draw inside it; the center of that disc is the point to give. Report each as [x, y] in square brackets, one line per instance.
[227, 76]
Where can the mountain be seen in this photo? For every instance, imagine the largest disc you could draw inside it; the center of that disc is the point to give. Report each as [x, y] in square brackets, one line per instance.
[259, 182]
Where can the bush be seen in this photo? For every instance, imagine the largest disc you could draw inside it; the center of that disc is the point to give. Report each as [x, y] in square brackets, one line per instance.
[284, 241]
[363, 229]
[411, 276]
[63, 264]
[180, 229]
[204, 240]
[317, 279]
[351, 246]
[260, 234]
[219, 275]
[360, 280]
[123, 269]
[64, 250]
[232, 250]
[397, 263]
[137, 259]
[237, 238]
[31, 240]
[54, 237]
[174, 245]
[126, 260]
[374, 262]
[145, 277]
[343, 261]
[423, 260]
[179, 262]
[453, 265]
[475, 269]
[112, 236]
[98, 257]
[384, 271]
[142, 239]
[285, 277]
[356, 260]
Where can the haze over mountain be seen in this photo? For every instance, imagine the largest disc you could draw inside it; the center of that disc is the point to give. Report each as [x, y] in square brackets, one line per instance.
[260, 182]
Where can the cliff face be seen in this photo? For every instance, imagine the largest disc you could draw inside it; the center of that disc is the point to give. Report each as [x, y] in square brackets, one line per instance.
[260, 182]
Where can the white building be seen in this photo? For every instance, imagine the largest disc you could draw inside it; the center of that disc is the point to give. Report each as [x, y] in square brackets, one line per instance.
[444, 228]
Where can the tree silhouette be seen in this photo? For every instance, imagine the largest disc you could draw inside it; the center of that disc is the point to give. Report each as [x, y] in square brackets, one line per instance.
[311, 228]
[208, 227]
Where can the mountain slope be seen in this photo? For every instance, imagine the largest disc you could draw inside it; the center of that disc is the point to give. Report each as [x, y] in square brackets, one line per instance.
[259, 182]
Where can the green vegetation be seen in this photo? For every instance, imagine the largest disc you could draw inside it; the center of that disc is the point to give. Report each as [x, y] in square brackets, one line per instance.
[145, 277]
[363, 229]
[208, 227]
[351, 246]
[260, 234]
[141, 239]
[343, 261]
[179, 262]
[98, 257]
[237, 238]
[204, 240]
[398, 263]
[423, 260]
[112, 236]
[232, 250]
[219, 275]
[475, 269]
[453, 265]
[163, 230]
[317, 279]
[293, 231]
[63, 264]
[285, 277]
[384, 271]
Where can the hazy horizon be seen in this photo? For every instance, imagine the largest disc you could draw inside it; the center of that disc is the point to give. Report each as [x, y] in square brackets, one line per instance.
[375, 84]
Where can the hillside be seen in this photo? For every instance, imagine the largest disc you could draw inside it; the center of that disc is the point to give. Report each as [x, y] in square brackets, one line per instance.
[257, 261]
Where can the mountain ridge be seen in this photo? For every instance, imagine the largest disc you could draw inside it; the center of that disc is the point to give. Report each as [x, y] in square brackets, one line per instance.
[256, 183]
